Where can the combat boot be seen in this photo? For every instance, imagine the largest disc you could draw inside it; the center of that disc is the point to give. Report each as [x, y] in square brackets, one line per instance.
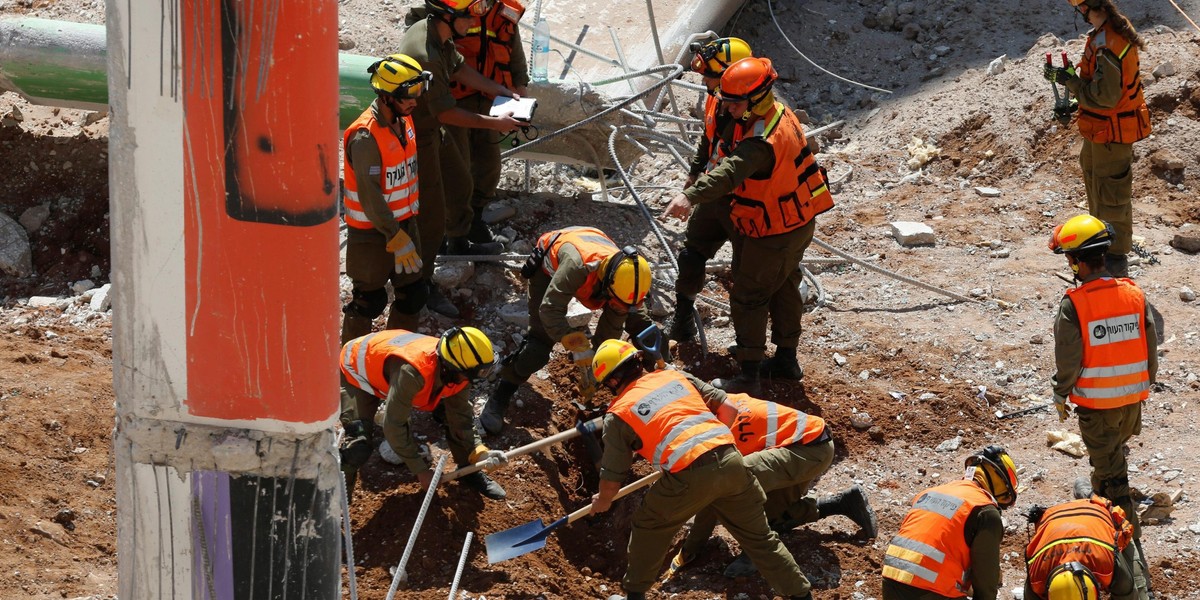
[481, 233]
[437, 302]
[492, 417]
[1082, 488]
[462, 246]
[683, 322]
[747, 382]
[741, 566]
[484, 485]
[851, 503]
[782, 366]
[1117, 265]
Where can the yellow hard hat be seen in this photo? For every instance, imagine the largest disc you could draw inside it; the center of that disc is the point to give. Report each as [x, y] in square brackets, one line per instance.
[714, 57]
[626, 276]
[399, 76]
[996, 473]
[611, 355]
[1072, 581]
[468, 350]
[1082, 235]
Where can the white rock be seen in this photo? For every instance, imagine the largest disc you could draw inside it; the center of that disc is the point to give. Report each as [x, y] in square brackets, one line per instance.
[927, 396]
[839, 359]
[1018, 593]
[1186, 294]
[498, 212]
[16, 257]
[861, 420]
[997, 66]
[911, 233]
[950, 445]
[453, 274]
[82, 286]
[864, 375]
[516, 313]
[578, 315]
[987, 192]
[34, 217]
[43, 301]
[101, 298]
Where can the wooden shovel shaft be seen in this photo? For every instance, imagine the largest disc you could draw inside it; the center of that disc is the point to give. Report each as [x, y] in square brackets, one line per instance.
[561, 436]
[625, 491]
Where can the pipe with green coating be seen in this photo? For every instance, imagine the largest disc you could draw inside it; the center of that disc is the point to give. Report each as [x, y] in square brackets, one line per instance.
[60, 63]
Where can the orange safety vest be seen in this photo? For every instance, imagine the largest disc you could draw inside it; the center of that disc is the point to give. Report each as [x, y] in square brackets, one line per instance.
[1112, 314]
[398, 177]
[363, 359]
[591, 244]
[487, 46]
[671, 419]
[930, 552]
[1084, 531]
[716, 151]
[761, 425]
[1129, 120]
[794, 192]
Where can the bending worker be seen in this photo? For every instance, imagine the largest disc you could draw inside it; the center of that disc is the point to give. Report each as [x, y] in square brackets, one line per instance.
[1112, 116]
[948, 545]
[787, 451]
[381, 199]
[585, 264]
[776, 190]
[662, 416]
[1106, 353]
[412, 371]
[708, 227]
[1075, 552]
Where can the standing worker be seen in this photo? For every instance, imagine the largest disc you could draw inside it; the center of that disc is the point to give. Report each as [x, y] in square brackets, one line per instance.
[412, 371]
[447, 185]
[948, 545]
[662, 416]
[492, 45]
[708, 227]
[787, 451]
[381, 199]
[585, 264]
[1112, 116]
[1106, 352]
[1075, 552]
[777, 190]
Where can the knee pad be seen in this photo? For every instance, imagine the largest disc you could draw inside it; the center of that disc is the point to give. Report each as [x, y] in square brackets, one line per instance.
[410, 299]
[367, 304]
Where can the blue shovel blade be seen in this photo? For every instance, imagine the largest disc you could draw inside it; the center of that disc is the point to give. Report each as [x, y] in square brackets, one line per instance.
[519, 540]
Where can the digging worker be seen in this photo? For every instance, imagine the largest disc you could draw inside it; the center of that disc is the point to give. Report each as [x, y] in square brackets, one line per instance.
[1112, 116]
[381, 199]
[1106, 353]
[776, 190]
[663, 417]
[1075, 552]
[447, 185]
[585, 264]
[708, 227]
[410, 371]
[787, 451]
[948, 545]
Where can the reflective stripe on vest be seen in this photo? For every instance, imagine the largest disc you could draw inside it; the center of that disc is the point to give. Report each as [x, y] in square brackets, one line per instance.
[1080, 530]
[488, 46]
[1115, 368]
[762, 425]
[671, 420]
[795, 191]
[929, 552]
[593, 247]
[363, 360]
[1129, 120]
[398, 172]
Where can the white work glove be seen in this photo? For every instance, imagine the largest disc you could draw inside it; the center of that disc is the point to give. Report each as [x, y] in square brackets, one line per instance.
[389, 455]
[1060, 404]
[407, 260]
[492, 459]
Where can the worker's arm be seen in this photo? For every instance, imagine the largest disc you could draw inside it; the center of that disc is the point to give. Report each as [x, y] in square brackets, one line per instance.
[364, 157]
[1151, 344]
[984, 531]
[1122, 586]
[753, 156]
[1104, 89]
[517, 64]
[567, 279]
[470, 77]
[406, 382]
[1068, 348]
[700, 160]
[460, 117]
[619, 443]
[714, 398]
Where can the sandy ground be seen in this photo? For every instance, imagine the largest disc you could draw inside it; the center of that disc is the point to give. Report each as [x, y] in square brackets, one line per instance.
[914, 361]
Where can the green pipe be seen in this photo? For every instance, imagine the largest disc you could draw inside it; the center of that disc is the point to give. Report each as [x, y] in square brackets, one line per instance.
[60, 63]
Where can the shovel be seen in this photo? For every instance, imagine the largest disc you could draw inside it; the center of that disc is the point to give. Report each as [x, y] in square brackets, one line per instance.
[562, 436]
[650, 341]
[531, 536]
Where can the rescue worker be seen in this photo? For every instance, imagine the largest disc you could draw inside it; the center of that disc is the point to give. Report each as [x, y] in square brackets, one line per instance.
[787, 451]
[708, 227]
[1075, 552]
[1112, 116]
[776, 190]
[409, 371]
[948, 545]
[492, 45]
[380, 200]
[1106, 354]
[585, 264]
[447, 189]
[663, 417]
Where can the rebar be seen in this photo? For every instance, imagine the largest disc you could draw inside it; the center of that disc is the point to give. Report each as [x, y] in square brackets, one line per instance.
[892, 274]
[462, 563]
[348, 535]
[401, 574]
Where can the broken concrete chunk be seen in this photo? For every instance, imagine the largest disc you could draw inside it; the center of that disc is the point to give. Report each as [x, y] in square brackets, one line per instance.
[43, 301]
[82, 286]
[516, 313]
[454, 274]
[34, 217]
[578, 315]
[839, 359]
[16, 256]
[997, 66]
[1186, 294]
[1164, 69]
[861, 420]
[987, 192]
[1066, 442]
[950, 445]
[1187, 243]
[1165, 159]
[911, 233]
[498, 212]
[101, 299]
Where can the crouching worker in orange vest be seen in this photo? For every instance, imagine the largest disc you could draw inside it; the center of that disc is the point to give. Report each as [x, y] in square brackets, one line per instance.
[948, 545]
[412, 371]
[1075, 552]
[663, 417]
[787, 451]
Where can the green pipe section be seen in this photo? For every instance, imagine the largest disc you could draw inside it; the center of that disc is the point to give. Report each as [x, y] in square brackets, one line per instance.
[59, 63]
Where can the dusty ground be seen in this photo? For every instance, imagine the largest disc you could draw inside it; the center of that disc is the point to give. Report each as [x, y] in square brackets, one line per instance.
[915, 361]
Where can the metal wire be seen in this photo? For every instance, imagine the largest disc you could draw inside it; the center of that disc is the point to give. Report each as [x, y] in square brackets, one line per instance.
[347, 534]
[892, 274]
[462, 562]
[401, 573]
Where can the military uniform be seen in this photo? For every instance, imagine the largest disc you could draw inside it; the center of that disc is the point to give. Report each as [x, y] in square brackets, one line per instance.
[1085, 531]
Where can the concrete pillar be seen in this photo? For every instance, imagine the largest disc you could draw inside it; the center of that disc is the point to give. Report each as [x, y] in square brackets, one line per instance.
[223, 178]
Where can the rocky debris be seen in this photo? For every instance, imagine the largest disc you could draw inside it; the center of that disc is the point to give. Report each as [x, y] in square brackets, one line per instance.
[34, 217]
[839, 359]
[861, 420]
[578, 315]
[497, 212]
[44, 301]
[1066, 442]
[1186, 294]
[911, 233]
[101, 299]
[1187, 243]
[16, 256]
[451, 275]
[987, 192]
[346, 43]
[82, 286]
[950, 445]
[1166, 160]
[1163, 69]
[920, 153]
[94, 117]
[516, 313]
[1160, 507]
[997, 66]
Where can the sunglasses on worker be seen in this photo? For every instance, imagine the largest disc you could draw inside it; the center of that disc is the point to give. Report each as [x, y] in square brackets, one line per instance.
[413, 88]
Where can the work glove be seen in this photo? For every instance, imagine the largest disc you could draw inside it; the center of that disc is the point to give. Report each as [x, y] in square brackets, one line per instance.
[356, 448]
[407, 260]
[582, 354]
[1062, 74]
[1049, 72]
[492, 459]
[1060, 404]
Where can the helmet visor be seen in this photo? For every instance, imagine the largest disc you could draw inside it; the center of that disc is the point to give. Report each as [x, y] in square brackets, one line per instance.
[413, 88]
[705, 61]
[481, 371]
[480, 8]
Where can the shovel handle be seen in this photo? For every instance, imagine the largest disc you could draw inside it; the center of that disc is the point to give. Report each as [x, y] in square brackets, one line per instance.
[625, 491]
[561, 436]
